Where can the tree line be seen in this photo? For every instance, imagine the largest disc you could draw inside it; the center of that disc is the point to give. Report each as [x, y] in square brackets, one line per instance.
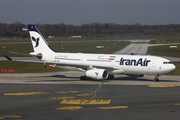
[18, 30]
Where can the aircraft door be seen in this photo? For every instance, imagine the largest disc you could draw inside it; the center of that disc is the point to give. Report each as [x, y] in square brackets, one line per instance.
[154, 63]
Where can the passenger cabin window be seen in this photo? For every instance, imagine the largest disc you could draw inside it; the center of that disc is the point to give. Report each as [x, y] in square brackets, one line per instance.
[167, 63]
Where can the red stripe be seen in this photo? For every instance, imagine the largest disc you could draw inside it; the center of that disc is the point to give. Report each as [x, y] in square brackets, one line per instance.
[111, 58]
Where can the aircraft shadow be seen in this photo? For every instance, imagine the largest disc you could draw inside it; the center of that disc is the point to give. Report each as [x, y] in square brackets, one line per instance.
[142, 79]
[126, 78]
[61, 76]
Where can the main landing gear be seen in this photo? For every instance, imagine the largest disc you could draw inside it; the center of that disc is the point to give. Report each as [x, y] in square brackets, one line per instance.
[156, 78]
[83, 78]
[110, 77]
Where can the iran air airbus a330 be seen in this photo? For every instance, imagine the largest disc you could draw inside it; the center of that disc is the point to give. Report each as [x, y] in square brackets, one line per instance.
[99, 66]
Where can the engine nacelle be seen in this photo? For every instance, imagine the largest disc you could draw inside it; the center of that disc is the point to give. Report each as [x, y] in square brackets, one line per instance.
[97, 74]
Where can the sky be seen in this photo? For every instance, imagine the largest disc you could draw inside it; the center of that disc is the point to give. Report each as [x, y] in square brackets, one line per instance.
[78, 12]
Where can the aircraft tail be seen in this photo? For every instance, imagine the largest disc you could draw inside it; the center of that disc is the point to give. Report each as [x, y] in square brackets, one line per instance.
[38, 41]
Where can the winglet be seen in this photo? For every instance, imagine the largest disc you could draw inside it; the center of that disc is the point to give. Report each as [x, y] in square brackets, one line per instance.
[8, 58]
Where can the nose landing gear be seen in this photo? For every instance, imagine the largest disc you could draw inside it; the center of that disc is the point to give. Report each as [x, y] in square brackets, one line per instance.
[156, 78]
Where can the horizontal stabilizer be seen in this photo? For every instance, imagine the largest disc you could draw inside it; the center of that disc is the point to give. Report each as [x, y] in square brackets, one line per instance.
[8, 58]
[23, 59]
[33, 53]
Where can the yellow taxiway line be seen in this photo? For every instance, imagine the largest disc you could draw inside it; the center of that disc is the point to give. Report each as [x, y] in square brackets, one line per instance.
[85, 102]
[69, 108]
[164, 85]
[24, 93]
[113, 107]
[10, 117]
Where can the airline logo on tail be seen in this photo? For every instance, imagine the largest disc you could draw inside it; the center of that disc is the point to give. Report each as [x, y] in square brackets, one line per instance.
[36, 40]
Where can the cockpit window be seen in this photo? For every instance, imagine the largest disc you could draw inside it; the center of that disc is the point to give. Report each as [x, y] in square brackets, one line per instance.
[167, 63]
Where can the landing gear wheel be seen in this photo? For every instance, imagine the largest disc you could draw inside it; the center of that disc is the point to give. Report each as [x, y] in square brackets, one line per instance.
[156, 78]
[110, 77]
[83, 78]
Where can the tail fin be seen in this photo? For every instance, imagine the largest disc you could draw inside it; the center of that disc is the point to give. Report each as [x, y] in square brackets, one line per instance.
[38, 42]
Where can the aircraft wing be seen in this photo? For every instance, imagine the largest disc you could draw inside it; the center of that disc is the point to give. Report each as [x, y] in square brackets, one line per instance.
[64, 66]
[82, 67]
[22, 60]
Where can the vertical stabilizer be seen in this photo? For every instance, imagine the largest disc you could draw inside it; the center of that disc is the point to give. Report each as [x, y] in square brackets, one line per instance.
[38, 42]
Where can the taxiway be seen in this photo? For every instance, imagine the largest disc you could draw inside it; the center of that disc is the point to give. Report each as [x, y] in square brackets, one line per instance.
[63, 96]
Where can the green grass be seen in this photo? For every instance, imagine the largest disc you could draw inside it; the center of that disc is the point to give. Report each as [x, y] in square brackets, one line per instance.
[26, 67]
[118, 37]
[164, 50]
[165, 41]
[90, 47]
[25, 49]
[86, 47]
[177, 70]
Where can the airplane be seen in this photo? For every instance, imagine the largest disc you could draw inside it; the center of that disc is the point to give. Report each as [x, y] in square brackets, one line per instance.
[98, 66]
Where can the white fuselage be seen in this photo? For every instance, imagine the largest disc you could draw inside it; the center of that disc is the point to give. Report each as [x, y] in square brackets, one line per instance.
[119, 64]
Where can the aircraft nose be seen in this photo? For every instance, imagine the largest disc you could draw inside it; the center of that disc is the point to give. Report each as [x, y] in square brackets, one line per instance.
[173, 67]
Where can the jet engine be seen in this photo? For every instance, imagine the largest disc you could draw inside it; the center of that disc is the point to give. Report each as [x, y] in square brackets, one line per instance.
[97, 74]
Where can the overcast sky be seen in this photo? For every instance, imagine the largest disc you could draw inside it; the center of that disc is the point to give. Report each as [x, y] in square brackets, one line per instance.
[77, 12]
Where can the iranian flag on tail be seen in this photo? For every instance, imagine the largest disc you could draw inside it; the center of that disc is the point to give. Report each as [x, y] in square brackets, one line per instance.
[112, 57]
